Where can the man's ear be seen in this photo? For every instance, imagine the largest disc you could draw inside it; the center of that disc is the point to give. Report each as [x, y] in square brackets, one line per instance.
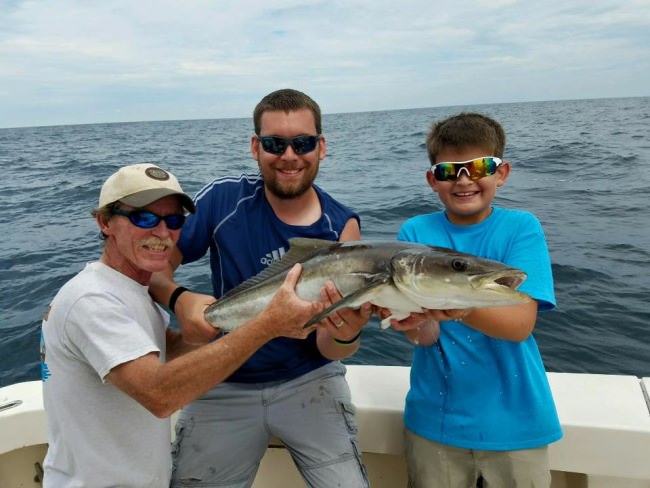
[102, 224]
[255, 148]
[322, 148]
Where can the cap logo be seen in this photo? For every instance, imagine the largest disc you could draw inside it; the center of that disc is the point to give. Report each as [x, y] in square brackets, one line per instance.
[157, 174]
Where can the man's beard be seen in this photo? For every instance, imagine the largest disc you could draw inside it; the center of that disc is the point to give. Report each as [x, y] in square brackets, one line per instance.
[291, 192]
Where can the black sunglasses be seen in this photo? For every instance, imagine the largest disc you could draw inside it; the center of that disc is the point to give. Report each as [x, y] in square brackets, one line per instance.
[277, 145]
[149, 220]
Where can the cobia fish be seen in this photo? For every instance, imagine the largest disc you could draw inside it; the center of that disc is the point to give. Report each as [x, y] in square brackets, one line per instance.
[400, 276]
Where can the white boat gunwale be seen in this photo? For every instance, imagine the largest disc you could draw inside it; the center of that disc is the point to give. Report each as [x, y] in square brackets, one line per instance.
[605, 419]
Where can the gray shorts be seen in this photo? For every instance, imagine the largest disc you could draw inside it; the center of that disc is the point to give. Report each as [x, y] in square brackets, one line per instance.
[434, 465]
[221, 438]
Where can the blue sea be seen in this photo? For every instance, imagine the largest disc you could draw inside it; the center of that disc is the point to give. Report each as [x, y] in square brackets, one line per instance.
[582, 166]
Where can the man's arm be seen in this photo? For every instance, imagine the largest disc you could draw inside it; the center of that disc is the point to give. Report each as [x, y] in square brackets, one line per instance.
[176, 346]
[351, 231]
[189, 307]
[163, 388]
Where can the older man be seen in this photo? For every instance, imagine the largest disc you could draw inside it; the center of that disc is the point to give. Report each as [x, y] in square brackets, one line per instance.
[113, 371]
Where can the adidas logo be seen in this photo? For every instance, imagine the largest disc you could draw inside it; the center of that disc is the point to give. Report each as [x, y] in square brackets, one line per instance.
[273, 256]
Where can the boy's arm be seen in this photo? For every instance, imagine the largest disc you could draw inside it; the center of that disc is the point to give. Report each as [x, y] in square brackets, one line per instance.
[528, 251]
[512, 323]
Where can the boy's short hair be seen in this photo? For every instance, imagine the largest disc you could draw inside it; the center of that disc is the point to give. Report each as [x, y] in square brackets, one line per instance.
[464, 130]
[287, 100]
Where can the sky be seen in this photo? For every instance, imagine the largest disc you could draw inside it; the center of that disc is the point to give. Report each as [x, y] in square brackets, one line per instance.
[89, 61]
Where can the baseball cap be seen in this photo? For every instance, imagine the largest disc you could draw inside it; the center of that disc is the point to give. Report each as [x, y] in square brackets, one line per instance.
[140, 184]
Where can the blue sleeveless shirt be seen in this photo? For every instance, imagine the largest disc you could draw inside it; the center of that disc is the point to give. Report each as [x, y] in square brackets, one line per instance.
[236, 223]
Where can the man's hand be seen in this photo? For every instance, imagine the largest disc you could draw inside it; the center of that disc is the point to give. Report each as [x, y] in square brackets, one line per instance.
[339, 333]
[347, 322]
[190, 308]
[287, 313]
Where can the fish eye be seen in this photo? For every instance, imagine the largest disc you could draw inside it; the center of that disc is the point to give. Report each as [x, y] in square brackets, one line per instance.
[458, 264]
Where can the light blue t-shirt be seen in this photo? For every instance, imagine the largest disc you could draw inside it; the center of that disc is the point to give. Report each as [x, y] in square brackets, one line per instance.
[469, 390]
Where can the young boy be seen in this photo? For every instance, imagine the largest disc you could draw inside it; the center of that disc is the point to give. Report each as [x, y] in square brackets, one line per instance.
[479, 405]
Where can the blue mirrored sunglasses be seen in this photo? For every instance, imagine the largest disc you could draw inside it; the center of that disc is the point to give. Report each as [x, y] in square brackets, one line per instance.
[277, 145]
[475, 168]
[149, 220]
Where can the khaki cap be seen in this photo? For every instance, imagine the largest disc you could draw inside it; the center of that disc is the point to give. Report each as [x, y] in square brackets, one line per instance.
[140, 184]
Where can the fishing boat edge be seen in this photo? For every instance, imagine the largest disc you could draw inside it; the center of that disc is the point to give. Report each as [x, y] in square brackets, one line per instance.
[605, 418]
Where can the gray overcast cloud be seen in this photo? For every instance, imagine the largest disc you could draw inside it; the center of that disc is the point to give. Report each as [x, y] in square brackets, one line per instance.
[85, 61]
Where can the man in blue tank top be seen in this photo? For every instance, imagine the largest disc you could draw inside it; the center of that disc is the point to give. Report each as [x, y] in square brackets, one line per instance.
[293, 389]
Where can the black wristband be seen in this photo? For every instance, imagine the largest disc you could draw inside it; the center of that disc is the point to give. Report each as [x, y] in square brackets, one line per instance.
[351, 341]
[174, 296]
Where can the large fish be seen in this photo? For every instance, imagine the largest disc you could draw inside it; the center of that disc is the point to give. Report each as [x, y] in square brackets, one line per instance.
[401, 276]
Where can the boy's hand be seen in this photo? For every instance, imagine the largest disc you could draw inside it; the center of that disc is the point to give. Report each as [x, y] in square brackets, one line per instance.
[414, 320]
[423, 328]
[419, 328]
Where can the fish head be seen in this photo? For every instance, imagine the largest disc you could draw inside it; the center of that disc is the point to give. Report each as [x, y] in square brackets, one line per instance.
[439, 278]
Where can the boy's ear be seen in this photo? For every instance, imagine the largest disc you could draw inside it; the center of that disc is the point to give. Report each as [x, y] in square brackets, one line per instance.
[503, 172]
[431, 180]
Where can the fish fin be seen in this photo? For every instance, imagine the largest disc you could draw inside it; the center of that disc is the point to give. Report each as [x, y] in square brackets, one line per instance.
[305, 244]
[350, 300]
[301, 249]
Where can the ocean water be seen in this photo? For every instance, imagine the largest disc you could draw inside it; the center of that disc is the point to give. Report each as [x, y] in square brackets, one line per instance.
[583, 167]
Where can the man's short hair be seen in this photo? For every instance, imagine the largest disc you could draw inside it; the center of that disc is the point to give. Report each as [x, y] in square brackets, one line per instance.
[287, 100]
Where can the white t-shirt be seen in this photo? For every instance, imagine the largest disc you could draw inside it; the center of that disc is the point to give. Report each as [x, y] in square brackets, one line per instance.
[99, 436]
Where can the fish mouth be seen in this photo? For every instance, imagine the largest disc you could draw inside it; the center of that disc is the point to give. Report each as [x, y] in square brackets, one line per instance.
[498, 280]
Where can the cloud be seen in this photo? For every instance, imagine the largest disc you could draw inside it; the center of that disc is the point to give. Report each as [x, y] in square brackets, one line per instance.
[75, 61]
